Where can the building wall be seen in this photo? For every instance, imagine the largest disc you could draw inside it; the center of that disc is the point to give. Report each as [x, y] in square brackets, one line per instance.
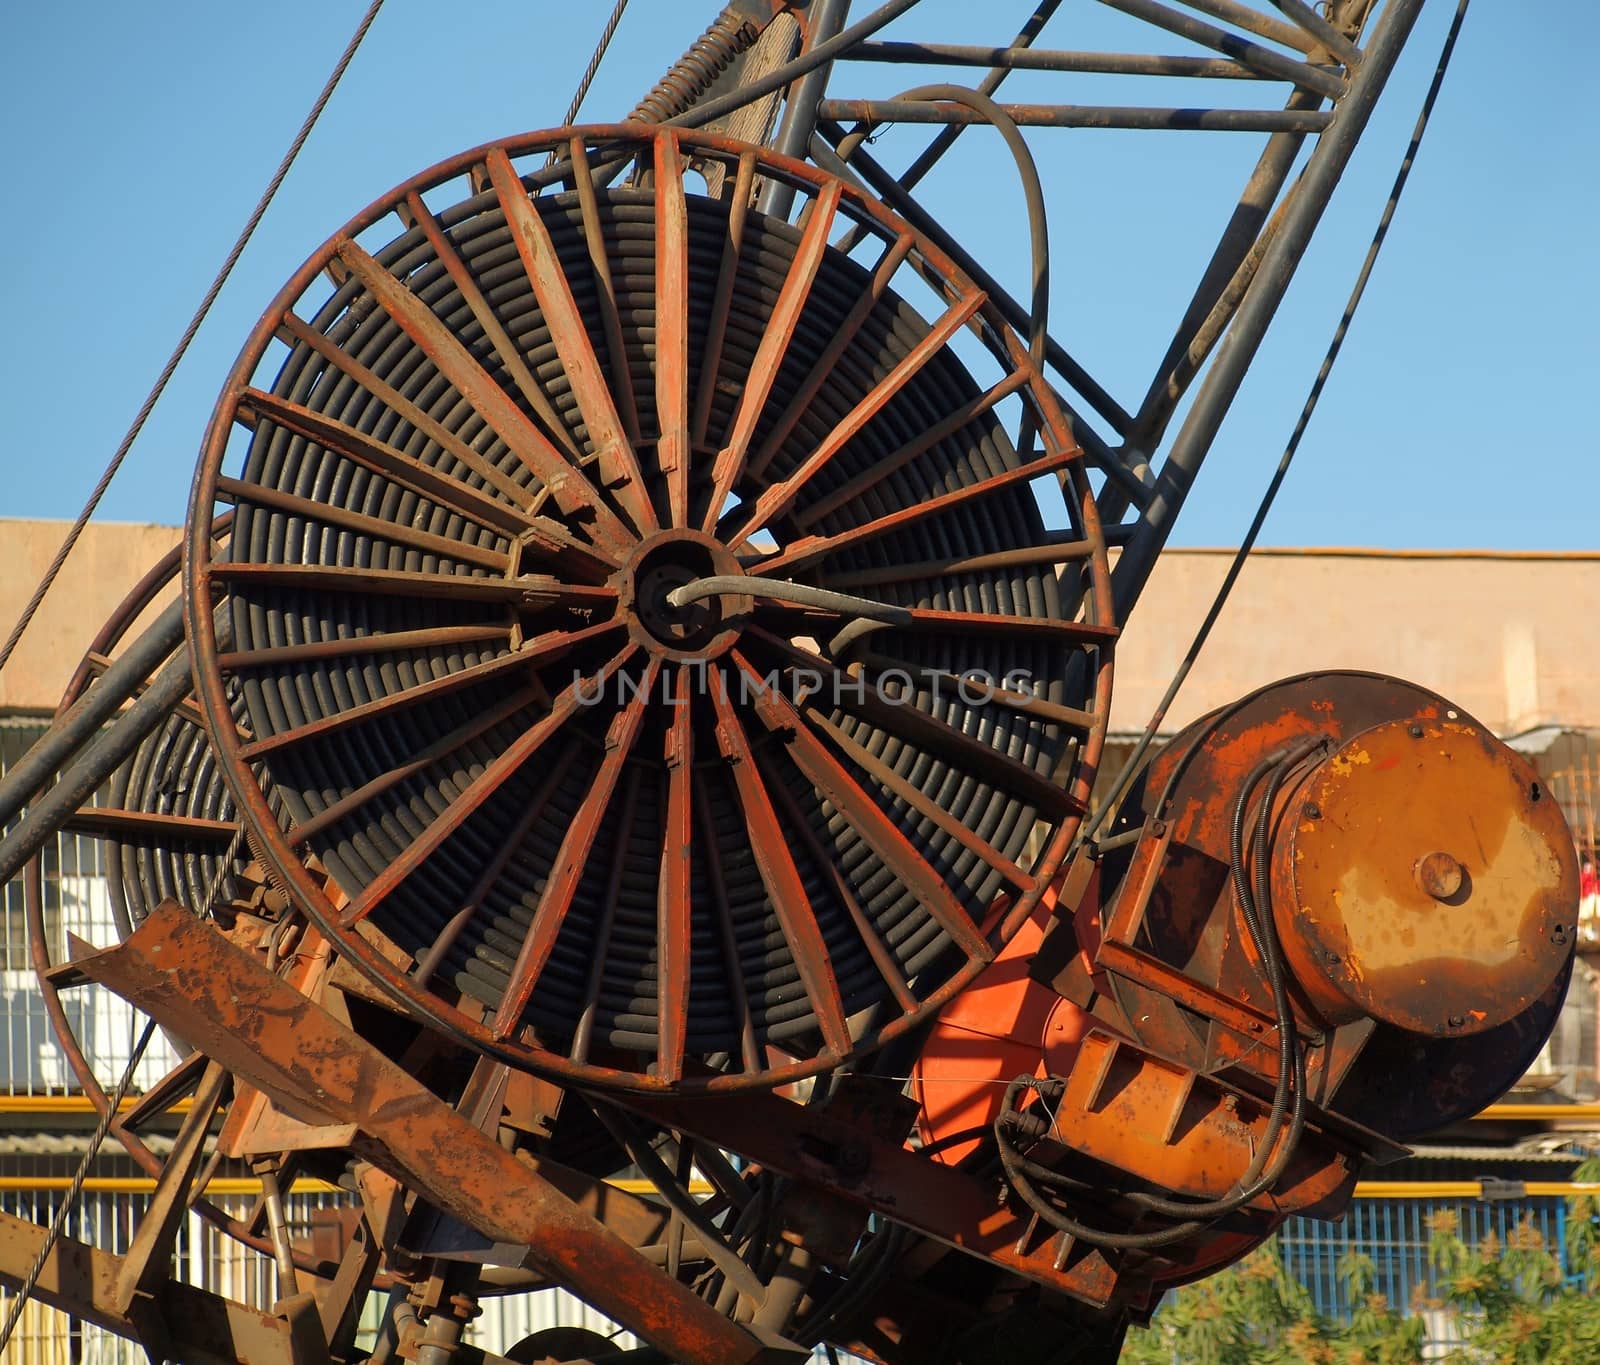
[1510, 638]
[107, 561]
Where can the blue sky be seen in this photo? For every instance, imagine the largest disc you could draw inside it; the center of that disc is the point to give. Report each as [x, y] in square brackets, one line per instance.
[1460, 415]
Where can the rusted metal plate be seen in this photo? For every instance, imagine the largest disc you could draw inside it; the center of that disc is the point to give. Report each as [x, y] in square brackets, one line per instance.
[1173, 916]
[1424, 879]
[1182, 1132]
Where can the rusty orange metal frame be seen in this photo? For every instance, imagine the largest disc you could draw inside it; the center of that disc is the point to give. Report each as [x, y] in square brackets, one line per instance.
[189, 978]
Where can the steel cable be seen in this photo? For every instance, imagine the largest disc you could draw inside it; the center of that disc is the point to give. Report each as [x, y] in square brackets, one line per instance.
[1130, 768]
[594, 61]
[215, 288]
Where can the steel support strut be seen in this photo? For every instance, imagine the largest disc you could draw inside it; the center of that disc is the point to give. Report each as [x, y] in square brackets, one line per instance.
[1238, 348]
[103, 753]
[75, 727]
[800, 106]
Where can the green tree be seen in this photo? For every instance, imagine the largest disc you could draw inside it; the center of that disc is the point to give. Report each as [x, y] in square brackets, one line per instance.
[1511, 1303]
[1513, 1299]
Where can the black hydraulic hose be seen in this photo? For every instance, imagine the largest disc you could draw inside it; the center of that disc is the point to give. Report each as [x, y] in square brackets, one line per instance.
[308, 777]
[1289, 1091]
[930, 155]
[1271, 951]
[1033, 196]
[1011, 1162]
[863, 1277]
[1271, 1158]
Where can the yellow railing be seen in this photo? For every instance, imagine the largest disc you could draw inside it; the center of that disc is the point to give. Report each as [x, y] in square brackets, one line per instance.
[74, 1104]
[1586, 1112]
[1467, 1189]
[245, 1185]
[137, 1184]
[79, 1104]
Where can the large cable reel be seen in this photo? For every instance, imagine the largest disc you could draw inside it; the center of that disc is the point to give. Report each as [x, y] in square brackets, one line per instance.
[656, 665]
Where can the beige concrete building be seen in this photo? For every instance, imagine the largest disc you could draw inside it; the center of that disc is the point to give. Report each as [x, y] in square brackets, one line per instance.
[106, 562]
[1509, 637]
[1512, 638]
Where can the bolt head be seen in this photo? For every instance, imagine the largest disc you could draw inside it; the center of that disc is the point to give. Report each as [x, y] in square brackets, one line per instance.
[1439, 875]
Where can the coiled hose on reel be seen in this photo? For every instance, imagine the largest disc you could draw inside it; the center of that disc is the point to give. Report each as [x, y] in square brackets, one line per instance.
[351, 362]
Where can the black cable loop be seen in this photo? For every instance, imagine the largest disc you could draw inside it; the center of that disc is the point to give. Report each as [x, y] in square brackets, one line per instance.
[1011, 1161]
[1254, 905]
[1033, 194]
[1289, 1099]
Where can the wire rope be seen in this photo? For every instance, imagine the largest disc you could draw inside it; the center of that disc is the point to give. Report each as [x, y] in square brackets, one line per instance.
[594, 61]
[167, 371]
[1130, 769]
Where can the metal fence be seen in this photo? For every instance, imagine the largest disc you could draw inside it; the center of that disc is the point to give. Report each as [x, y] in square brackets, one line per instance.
[1396, 1233]
[76, 902]
[211, 1260]
[204, 1257]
